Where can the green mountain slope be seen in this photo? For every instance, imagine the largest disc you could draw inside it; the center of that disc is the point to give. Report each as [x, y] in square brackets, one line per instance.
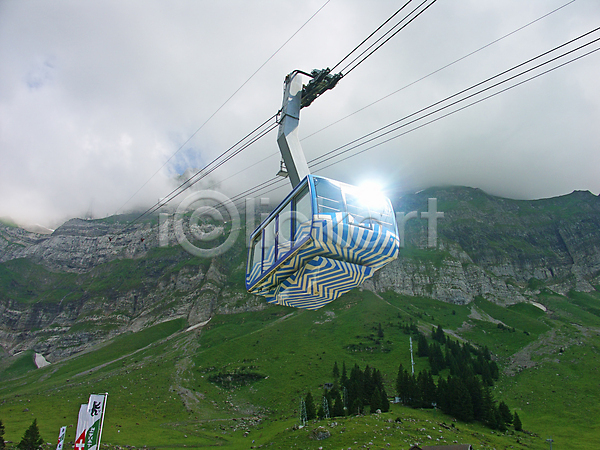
[261, 363]
[110, 313]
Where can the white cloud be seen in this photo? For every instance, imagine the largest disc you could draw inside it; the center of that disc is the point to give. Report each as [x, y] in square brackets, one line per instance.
[96, 96]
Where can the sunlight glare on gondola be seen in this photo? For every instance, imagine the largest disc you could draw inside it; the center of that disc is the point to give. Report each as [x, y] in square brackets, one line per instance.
[370, 194]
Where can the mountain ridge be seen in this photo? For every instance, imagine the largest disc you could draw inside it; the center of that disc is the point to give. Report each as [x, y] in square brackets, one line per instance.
[93, 279]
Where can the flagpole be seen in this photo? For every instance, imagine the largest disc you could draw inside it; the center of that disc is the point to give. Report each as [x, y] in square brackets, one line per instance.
[102, 420]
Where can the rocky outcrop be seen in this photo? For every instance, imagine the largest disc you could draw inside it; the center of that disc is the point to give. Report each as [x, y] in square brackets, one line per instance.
[451, 281]
[77, 245]
[496, 248]
[108, 298]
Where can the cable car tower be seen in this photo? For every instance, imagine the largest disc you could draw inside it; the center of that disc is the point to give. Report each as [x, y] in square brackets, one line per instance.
[326, 237]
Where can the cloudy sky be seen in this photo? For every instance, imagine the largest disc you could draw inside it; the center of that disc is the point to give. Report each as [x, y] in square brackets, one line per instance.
[96, 96]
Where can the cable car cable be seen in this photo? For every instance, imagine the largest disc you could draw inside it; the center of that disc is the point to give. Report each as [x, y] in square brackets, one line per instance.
[323, 80]
[206, 170]
[457, 110]
[187, 184]
[387, 40]
[380, 45]
[370, 35]
[325, 155]
[439, 70]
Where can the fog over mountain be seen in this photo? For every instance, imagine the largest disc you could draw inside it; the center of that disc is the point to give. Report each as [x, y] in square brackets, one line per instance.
[96, 98]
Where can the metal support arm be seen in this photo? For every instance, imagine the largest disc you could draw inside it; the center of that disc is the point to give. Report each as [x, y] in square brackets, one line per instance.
[287, 137]
[295, 97]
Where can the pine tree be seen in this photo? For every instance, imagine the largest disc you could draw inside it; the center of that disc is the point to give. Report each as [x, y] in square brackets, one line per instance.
[2, 444]
[344, 377]
[436, 358]
[517, 422]
[338, 407]
[354, 396]
[400, 381]
[453, 364]
[377, 380]
[384, 402]
[412, 391]
[320, 412]
[507, 417]
[500, 424]
[460, 398]
[356, 406]
[355, 386]
[488, 408]
[486, 373]
[367, 385]
[442, 395]
[406, 386]
[336, 372]
[486, 353]
[31, 439]
[439, 335]
[422, 346]
[495, 371]
[311, 412]
[426, 388]
[375, 402]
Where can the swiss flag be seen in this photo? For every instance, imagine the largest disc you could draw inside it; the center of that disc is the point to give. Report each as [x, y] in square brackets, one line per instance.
[80, 442]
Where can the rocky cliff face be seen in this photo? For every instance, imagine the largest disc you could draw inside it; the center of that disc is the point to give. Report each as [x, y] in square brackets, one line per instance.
[501, 249]
[89, 280]
[77, 245]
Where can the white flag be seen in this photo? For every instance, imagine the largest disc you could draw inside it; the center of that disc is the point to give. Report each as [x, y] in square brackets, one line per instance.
[95, 409]
[83, 424]
[61, 438]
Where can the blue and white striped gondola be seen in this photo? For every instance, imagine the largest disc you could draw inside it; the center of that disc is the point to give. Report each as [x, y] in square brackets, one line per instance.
[323, 240]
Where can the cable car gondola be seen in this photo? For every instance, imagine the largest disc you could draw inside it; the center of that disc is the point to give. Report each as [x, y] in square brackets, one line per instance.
[326, 237]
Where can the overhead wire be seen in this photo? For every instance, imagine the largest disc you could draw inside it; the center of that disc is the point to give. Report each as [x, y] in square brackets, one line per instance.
[354, 66]
[440, 69]
[227, 155]
[464, 107]
[230, 153]
[454, 103]
[378, 45]
[370, 35]
[337, 151]
[317, 161]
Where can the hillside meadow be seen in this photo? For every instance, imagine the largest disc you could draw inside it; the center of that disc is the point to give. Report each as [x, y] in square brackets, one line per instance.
[237, 382]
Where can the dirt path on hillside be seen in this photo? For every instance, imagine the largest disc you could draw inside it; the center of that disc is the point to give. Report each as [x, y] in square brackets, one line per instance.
[98, 367]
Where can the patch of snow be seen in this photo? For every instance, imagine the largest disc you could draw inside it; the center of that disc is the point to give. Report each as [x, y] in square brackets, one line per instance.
[40, 361]
[539, 305]
[198, 325]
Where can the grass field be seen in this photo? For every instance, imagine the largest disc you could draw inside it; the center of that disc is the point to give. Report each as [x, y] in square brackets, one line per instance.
[161, 394]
